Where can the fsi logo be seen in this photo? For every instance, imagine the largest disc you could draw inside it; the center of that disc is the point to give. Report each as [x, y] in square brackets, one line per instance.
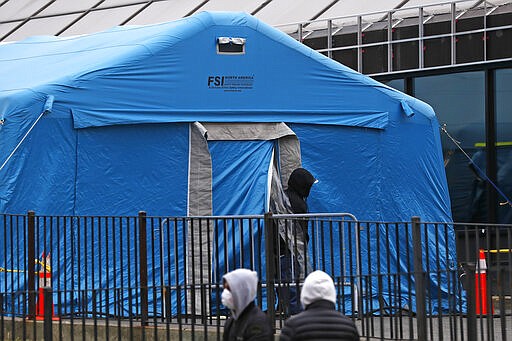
[215, 81]
[231, 83]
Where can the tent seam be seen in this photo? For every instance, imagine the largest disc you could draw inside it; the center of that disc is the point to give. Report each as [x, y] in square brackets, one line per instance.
[76, 172]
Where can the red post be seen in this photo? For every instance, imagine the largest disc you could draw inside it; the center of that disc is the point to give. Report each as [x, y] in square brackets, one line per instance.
[45, 282]
[481, 286]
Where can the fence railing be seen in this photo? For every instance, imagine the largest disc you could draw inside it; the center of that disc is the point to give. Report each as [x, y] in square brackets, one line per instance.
[106, 276]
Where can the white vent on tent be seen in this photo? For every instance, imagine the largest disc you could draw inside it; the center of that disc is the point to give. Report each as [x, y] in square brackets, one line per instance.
[229, 45]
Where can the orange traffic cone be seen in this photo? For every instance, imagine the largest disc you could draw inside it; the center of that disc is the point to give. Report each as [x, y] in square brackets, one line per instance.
[481, 285]
[45, 280]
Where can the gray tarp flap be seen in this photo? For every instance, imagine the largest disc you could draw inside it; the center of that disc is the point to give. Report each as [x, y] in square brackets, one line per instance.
[290, 231]
[199, 204]
[289, 155]
[246, 131]
[200, 173]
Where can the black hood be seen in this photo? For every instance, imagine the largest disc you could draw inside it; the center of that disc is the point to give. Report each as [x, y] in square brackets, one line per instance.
[300, 181]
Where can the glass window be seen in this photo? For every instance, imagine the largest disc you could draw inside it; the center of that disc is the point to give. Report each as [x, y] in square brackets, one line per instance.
[288, 11]
[459, 102]
[164, 11]
[247, 6]
[355, 8]
[114, 3]
[503, 107]
[5, 29]
[396, 84]
[20, 9]
[43, 26]
[99, 20]
[60, 7]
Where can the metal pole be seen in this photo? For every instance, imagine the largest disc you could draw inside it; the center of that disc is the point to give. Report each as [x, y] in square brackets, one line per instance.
[419, 280]
[329, 38]
[485, 31]
[143, 269]
[167, 307]
[48, 312]
[2, 337]
[23, 139]
[359, 43]
[270, 239]
[359, 273]
[421, 56]
[469, 270]
[162, 284]
[491, 169]
[390, 45]
[453, 36]
[31, 256]
[94, 312]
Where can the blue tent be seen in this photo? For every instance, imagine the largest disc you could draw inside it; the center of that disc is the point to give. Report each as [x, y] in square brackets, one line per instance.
[121, 120]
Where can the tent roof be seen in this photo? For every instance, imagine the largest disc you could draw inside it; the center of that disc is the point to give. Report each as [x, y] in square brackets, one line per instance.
[157, 73]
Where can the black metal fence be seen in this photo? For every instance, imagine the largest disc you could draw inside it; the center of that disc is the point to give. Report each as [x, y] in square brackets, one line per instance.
[146, 277]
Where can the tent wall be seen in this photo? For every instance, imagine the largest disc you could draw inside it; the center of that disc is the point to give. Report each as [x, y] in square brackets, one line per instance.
[365, 170]
[362, 169]
[99, 171]
[131, 168]
[40, 174]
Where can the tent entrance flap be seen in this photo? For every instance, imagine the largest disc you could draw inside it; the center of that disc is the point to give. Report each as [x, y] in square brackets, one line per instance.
[200, 202]
[232, 158]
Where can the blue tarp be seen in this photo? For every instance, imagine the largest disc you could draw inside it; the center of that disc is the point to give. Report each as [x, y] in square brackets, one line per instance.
[114, 136]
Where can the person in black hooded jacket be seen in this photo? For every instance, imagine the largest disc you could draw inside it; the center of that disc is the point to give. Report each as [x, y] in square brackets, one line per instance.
[293, 243]
[299, 186]
[320, 320]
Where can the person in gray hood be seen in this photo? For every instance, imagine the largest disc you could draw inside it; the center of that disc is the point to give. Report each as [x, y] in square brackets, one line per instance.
[247, 321]
[320, 320]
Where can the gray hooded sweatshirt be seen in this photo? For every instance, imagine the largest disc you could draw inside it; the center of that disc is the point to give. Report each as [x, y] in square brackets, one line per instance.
[247, 321]
[243, 284]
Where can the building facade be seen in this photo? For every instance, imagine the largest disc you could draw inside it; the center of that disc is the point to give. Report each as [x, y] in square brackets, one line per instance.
[458, 58]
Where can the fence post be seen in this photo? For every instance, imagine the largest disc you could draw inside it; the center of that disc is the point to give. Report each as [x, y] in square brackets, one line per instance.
[469, 273]
[270, 238]
[167, 305]
[143, 274]
[94, 312]
[419, 280]
[2, 316]
[31, 256]
[48, 314]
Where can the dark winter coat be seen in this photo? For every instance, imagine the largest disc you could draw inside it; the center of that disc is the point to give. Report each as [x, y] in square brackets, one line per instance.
[299, 186]
[320, 321]
[252, 324]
